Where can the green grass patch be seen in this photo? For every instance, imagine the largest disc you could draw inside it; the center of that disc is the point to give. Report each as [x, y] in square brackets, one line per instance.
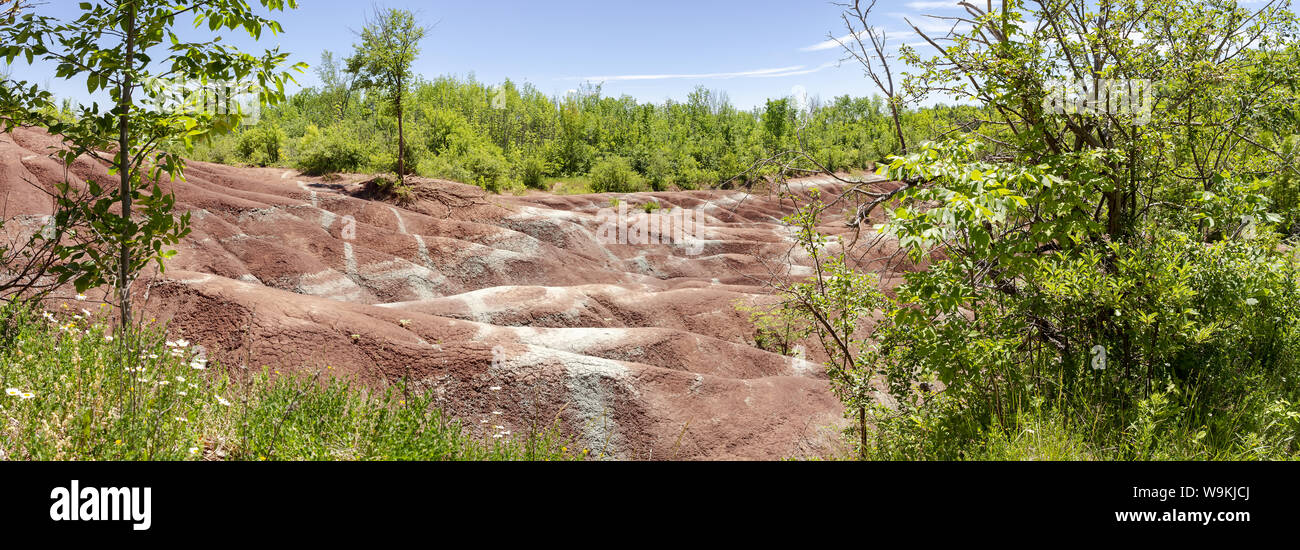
[73, 392]
[577, 185]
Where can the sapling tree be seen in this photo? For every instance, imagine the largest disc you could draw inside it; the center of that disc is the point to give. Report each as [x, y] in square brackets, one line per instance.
[390, 42]
[132, 50]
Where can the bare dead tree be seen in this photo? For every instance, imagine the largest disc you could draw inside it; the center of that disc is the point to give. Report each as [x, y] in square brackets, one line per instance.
[869, 47]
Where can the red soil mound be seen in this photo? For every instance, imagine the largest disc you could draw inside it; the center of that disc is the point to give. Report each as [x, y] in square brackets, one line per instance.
[638, 349]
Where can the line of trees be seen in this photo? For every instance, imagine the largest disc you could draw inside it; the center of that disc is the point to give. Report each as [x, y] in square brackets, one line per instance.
[512, 135]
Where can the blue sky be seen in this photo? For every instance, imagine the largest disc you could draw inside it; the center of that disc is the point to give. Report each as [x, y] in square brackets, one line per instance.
[656, 50]
[753, 50]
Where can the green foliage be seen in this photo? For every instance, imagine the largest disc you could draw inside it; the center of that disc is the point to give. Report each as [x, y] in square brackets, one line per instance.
[390, 43]
[454, 125]
[332, 151]
[80, 396]
[778, 328]
[261, 145]
[487, 166]
[615, 175]
[1096, 285]
[534, 172]
[778, 123]
[121, 48]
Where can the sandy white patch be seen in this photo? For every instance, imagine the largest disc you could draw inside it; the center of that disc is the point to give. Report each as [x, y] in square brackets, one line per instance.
[330, 284]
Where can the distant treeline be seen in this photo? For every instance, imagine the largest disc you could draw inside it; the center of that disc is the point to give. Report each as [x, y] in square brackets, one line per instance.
[510, 136]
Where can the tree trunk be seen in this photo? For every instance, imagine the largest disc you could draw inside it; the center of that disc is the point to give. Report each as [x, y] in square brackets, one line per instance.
[862, 432]
[401, 137]
[1114, 214]
[124, 171]
[898, 126]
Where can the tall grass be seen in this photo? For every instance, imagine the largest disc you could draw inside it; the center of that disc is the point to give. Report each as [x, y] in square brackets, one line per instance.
[1263, 423]
[73, 392]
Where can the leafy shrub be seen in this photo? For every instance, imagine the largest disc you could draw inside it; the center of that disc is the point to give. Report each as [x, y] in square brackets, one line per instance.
[410, 160]
[218, 148]
[615, 175]
[447, 129]
[261, 145]
[1138, 347]
[659, 171]
[488, 167]
[465, 154]
[330, 152]
[534, 172]
[777, 328]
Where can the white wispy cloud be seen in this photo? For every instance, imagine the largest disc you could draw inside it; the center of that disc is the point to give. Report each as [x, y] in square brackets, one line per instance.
[892, 38]
[932, 5]
[756, 73]
[830, 43]
[931, 25]
[956, 4]
[826, 65]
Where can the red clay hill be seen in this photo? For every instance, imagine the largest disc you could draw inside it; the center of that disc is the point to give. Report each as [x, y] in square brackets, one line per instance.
[638, 349]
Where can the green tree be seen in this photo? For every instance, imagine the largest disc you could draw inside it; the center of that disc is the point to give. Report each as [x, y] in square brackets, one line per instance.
[1085, 253]
[128, 48]
[390, 43]
[336, 83]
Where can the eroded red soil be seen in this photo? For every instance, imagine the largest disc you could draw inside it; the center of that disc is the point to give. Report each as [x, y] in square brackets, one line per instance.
[637, 349]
